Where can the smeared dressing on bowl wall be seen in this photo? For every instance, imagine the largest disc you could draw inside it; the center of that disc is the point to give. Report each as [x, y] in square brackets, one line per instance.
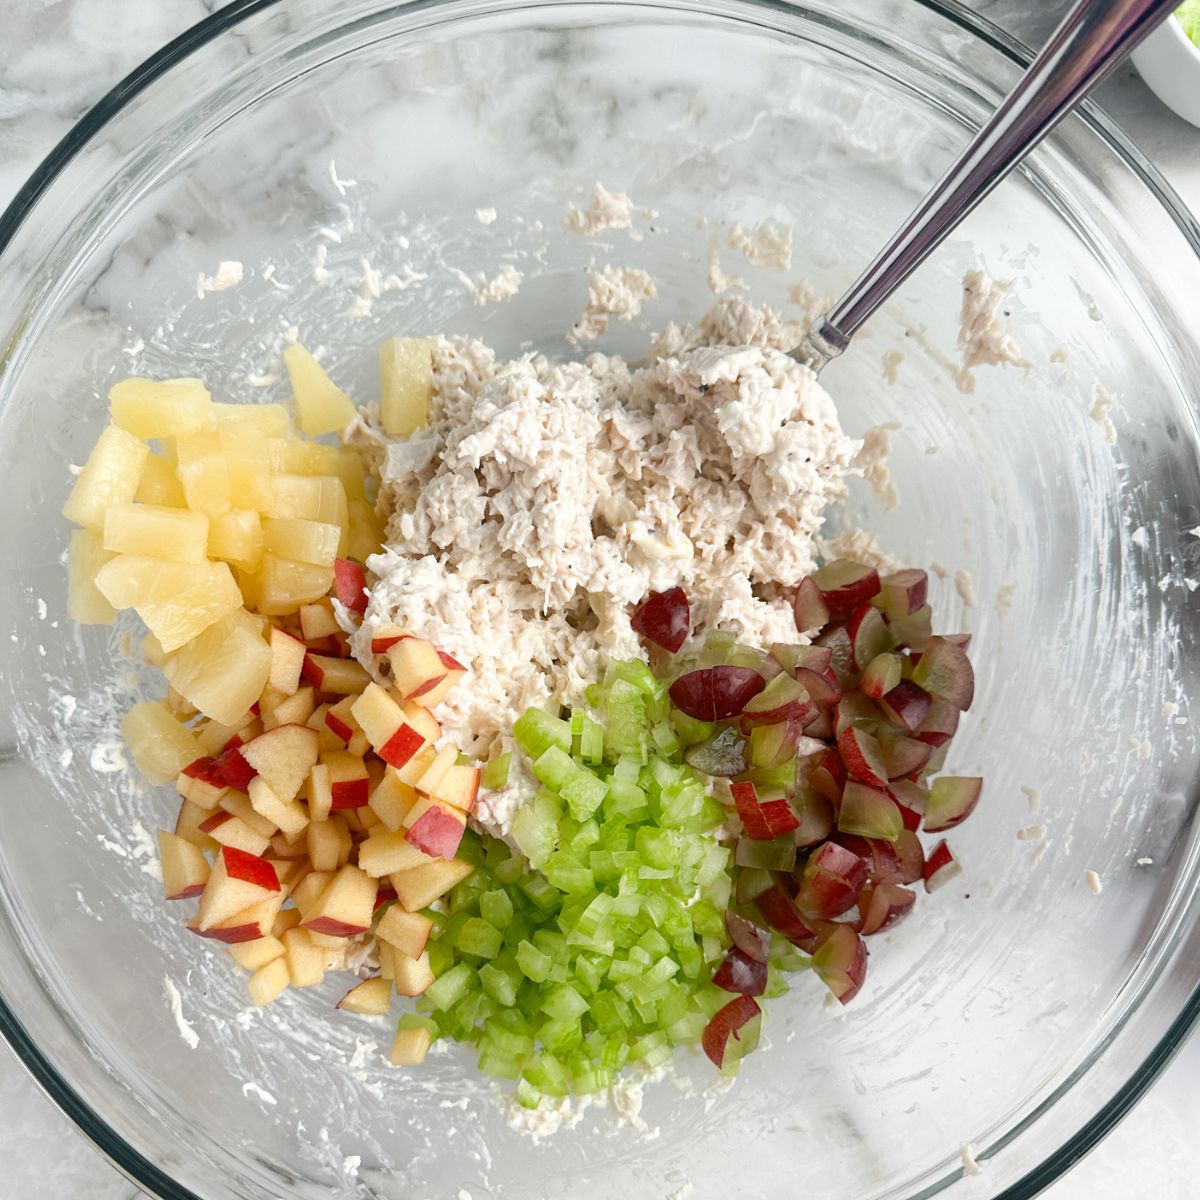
[1020, 487]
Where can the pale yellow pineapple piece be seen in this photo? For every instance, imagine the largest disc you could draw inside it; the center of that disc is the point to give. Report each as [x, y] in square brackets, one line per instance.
[301, 541]
[292, 456]
[204, 472]
[159, 483]
[295, 497]
[110, 476]
[321, 405]
[406, 384]
[334, 508]
[152, 651]
[261, 420]
[350, 471]
[224, 670]
[150, 529]
[85, 602]
[176, 600]
[364, 534]
[160, 745]
[248, 464]
[286, 585]
[236, 537]
[150, 408]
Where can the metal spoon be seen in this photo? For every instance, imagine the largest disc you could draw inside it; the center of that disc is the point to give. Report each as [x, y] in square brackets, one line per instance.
[1091, 41]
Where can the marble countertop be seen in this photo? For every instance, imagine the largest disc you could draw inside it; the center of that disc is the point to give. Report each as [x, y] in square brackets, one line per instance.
[60, 56]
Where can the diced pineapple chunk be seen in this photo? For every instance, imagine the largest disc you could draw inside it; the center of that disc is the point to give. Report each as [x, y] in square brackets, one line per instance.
[406, 384]
[85, 602]
[150, 529]
[333, 508]
[248, 464]
[159, 483]
[364, 535]
[150, 408]
[301, 541]
[204, 472]
[160, 745]
[295, 497]
[286, 585]
[254, 420]
[224, 670]
[322, 406]
[293, 456]
[110, 476]
[176, 600]
[350, 471]
[236, 537]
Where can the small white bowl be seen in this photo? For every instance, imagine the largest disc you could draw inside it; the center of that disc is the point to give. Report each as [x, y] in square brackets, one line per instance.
[1170, 64]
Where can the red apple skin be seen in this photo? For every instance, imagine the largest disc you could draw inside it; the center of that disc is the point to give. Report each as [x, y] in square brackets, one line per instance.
[232, 935]
[401, 746]
[333, 927]
[338, 727]
[203, 769]
[381, 645]
[350, 584]
[217, 819]
[384, 895]
[450, 662]
[188, 892]
[426, 687]
[436, 833]
[247, 867]
[350, 793]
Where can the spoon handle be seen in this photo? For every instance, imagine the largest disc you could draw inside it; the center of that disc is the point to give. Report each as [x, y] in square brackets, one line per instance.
[1091, 41]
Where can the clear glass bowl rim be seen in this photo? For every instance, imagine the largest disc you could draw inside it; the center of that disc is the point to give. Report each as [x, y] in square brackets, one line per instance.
[140, 1170]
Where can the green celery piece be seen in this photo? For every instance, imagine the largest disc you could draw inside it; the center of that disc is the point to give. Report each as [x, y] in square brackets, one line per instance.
[689, 730]
[672, 1007]
[502, 1066]
[591, 741]
[516, 931]
[654, 943]
[553, 767]
[564, 1003]
[624, 798]
[589, 972]
[707, 919]
[534, 827]
[547, 1073]
[591, 1079]
[510, 870]
[416, 1021]
[496, 908]
[665, 969]
[719, 890]
[510, 1018]
[665, 739]
[464, 896]
[637, 673]
[652, 1049]
[688, 1030]
[441, 955]
[559, 1036]
[528, 1096]
[691, 962]
[583, 793]
[449, 988]
[609, 1012]
[596, 915]
[507, 1041]
[627, 768]
[578, 716]
[552, 942]
[656, 846]
[499, 983]
[615, 1053]
[623, 969]
[495, 773]
[569, 875]
[470, 849]
[603, 866]
[538, 889]
[586, 836]
[534, 963]
[777, 982]
[536, 731]
[478, 938]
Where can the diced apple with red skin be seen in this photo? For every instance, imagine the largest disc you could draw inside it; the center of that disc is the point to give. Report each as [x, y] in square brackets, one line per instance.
[454, 672]
[187, 825]
[459, 787]
[283, 756]
[422, 720]
[716, 693]
[249, 925]
[903, 592]
[390, 801]
[809, 607]
[198, 784]
[831, 881]
[346, 907]
[728, 1022]
[410, 1047]
[371, 998]
[952, 799]
[340, 720]
[350, 584]
[945, 673]
[428, 781]
[238, 805]
[238, 880]
[349, 782]
[268, 983]
[869, 812]
[664, 618]
[287, 661]
[413, 975]
[386, 636]
[417, 668]
[407, 932]
[320, 793]
[783, 699]
[907, 705]
[339, 676]
[234, 833]
[308, 891]
[844, 585]
[394, 739]
[435, 827]
[287, 815]
[419, 887]
[390, 853]
[841, 963]
[940, 867]
[232, 769]
[329, 843]
[861, 754]
[881, 905]
[416, 768]
[317, 621]
[185, 870]
[252, 955]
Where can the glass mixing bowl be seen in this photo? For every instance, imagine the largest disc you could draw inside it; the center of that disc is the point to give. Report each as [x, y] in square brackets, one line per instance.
[1017, 1010]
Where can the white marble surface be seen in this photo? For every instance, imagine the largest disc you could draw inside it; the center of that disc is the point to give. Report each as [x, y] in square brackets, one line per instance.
[58, 56]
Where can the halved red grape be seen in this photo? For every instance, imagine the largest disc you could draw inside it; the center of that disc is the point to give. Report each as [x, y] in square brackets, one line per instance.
[752, 941]
[881, 905]
[860, 752]
[903, 592]
[952, 799]
[824, 690]
[816, 816]
[664, 618]
[841, 963]
[741, 973]
[869, 812]
[716, 693]
[727, 1022]
[940, 867]
[809, 607]
[869, 635]
[907, 705]
[845, 585]
[828, 776]
[837, 641]
[783, 699]
[902, 756]
[780, 912]
[831, 881]
[945, 673]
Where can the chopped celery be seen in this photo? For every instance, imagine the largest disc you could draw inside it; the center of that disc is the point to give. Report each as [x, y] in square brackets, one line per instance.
[446, 989]
[535, 731]
[495, 773]
[496, 908]
[553, 767]
[479, 939]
